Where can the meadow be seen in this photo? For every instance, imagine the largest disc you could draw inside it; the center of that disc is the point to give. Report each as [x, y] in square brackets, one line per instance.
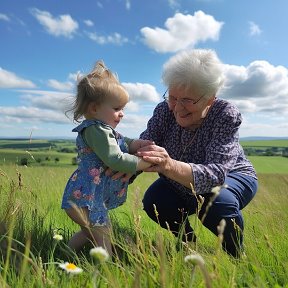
[145, 256]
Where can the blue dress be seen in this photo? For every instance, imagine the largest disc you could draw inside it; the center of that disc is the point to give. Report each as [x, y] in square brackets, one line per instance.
[88, 186]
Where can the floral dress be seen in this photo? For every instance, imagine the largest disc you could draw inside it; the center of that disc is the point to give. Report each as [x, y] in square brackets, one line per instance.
[88, 186]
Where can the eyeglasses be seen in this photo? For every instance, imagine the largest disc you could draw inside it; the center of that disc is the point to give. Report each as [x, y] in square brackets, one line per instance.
[183, 101]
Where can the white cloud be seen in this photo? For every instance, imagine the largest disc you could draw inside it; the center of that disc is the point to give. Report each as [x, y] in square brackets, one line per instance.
[182, 31]
[68, 85]
[254, 29]
[128, 4]
[11, 80]
[62, 86]
[47, 100]
[259, 87]
[22, 114]
[174, 3]
[142, 92]
[4, 17]
[62, 25]
[132, 106]
[114, 38]
[133, 124]
[89, 23]
[99, 4]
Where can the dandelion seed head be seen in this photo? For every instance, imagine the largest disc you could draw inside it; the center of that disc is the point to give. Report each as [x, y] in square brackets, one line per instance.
[194, 259]
[99, 253]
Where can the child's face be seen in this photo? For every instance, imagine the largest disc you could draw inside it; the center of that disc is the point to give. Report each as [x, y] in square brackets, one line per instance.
[111, 112]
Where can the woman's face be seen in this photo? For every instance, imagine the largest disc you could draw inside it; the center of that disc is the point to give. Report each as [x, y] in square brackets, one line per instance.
[189, 108]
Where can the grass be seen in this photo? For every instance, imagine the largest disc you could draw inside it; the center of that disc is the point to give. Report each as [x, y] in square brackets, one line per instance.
[270, 164]
[47, 157]
[265, 143]
[147, 257]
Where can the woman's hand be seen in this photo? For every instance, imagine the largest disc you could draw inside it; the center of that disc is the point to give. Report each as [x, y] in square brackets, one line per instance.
[158, 157]
[178, 171]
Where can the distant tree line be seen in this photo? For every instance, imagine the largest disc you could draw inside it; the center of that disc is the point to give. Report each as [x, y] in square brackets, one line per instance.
[266, 151]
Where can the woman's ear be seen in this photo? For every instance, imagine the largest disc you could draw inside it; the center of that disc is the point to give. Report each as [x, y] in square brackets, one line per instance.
[211, 100]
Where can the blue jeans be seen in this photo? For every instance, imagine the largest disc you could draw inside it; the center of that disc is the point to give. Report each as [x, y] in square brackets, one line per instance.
[174, 210]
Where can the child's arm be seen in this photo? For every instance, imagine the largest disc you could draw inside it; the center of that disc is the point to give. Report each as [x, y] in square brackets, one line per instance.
[101, 139]
[134, 145]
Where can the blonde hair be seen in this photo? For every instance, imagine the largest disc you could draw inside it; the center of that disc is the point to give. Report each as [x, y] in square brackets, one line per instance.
[100, 85]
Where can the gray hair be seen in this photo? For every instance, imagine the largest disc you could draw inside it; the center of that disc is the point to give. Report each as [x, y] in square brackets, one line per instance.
[198, 70]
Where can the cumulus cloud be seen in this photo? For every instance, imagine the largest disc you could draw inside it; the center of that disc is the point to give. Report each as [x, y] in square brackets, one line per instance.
[88, 23]
[133, 124]
[142, 92]
[182, 31]
[128, 4]
[254, 29]
[259, 87]
[11, 80]
[63, 25]
[4, 17]
[56, 101]
[173, 3]
[22, 114]
[114, 38]
[64, 86]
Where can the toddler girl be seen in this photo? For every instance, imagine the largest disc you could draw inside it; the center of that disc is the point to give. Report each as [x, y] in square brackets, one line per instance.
[89, 193]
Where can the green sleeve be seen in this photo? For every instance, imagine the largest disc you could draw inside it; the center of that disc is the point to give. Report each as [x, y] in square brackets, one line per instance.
[102, 141]
[128, 141]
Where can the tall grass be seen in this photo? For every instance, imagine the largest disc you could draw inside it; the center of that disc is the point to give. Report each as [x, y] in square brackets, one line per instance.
[145, 255]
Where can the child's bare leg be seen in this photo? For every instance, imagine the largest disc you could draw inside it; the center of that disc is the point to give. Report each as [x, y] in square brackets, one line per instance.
[79, 216]
[78, 240]
[99, 235]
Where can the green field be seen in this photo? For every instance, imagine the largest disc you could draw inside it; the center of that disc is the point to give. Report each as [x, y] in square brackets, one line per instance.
[265, 143]
[146, 254]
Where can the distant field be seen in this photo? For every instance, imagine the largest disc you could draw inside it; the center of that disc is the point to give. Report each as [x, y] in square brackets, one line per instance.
[46, 153]
[35, 144]
[270, 164]
[265, 143]
[47, 157]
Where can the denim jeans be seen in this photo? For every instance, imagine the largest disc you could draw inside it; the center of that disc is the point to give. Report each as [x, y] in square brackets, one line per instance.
[173, 209]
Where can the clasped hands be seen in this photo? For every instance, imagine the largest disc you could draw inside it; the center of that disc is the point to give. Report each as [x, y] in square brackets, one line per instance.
[150, 152]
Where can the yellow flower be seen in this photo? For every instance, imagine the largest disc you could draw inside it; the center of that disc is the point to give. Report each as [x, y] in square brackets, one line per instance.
[99, 253]
[70, 268]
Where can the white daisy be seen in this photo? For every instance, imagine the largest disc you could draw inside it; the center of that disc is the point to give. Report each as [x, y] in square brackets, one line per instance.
[70, 268]
[99, 253]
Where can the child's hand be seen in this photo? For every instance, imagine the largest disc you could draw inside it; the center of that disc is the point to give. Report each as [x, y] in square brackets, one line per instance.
[139, 143]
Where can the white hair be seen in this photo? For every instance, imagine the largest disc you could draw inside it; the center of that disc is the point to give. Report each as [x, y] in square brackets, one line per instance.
[198, 70]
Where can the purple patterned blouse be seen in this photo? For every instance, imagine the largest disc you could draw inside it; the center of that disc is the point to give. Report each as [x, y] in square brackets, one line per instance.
[214, 151]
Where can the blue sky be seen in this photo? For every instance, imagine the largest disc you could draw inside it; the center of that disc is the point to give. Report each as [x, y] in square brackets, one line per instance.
[45, 44]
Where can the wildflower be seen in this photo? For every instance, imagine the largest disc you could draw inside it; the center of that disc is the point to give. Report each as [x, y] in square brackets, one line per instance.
[99, 253]
[195, 259]
[70, 268]
[58, 237]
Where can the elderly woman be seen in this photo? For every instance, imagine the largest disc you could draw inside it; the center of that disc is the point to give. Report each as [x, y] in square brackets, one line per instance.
[196, 149]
